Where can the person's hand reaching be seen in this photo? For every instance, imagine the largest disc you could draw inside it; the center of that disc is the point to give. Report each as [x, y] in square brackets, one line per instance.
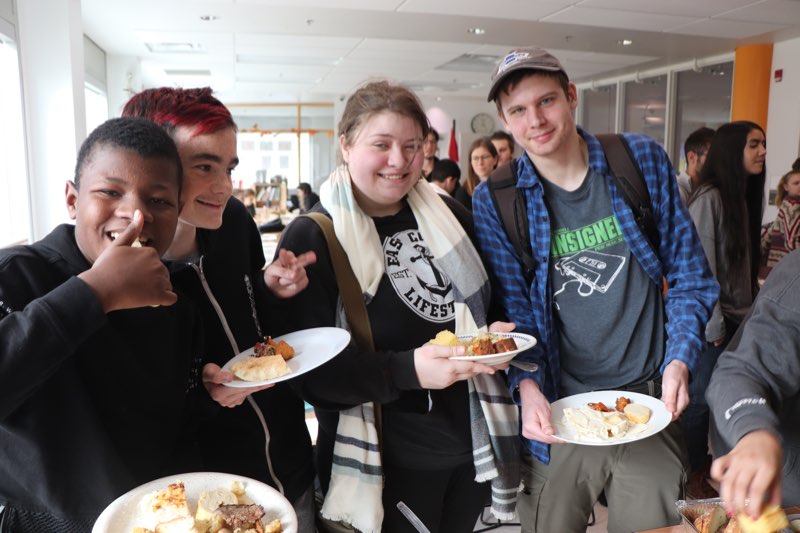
[286, 275]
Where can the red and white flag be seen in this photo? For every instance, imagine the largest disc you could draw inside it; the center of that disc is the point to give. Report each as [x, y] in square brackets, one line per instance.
[453, 150]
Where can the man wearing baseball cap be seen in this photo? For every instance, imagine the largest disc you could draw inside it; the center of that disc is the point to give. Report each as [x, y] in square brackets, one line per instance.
[593, 299]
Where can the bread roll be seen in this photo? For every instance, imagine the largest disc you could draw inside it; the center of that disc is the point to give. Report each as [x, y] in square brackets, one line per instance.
[772, 519]
[637, 413]
[260, 368]
[710, 521]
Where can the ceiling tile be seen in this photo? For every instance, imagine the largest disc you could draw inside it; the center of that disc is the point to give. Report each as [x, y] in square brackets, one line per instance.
[691, 8]
[731, 29]
[774, 11]
[511, 9]
[615, 18]
[376, 5]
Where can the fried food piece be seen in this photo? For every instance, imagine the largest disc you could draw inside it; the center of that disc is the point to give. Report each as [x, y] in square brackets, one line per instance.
[282, 348]
[599, 406]
[772, 519]
[273, 527]
[505, 345]
[270, 347]
[621, 403]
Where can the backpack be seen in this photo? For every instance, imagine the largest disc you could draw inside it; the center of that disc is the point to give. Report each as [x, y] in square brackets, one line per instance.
[510, 205]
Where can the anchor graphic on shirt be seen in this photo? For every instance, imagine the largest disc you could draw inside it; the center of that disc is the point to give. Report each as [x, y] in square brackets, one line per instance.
[441, 286]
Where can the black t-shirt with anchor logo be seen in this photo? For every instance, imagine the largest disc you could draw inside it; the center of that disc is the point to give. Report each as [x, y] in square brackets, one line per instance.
[414, 301]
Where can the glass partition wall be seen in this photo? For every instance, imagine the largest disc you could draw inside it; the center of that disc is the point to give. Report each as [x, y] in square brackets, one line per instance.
[667, 106]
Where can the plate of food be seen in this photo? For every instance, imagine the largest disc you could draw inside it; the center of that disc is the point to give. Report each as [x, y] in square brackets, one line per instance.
[487, 348]
[608, 418]
[286, 357]
[199, 502]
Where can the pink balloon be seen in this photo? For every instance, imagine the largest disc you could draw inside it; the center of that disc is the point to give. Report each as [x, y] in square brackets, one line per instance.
[440, 121]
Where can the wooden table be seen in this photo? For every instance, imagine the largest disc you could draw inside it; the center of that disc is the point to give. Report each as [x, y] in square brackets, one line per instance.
[679, 528]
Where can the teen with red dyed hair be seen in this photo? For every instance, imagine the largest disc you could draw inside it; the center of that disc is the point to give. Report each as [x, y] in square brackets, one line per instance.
[218, 261]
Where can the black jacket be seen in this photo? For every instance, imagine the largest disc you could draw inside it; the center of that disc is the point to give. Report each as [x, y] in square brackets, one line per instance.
[91, 404]
[234, 440]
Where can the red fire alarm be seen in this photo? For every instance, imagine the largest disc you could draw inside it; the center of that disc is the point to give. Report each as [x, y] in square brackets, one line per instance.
[778, 75]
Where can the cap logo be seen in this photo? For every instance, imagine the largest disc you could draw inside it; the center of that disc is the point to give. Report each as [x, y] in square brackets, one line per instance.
[512, 59]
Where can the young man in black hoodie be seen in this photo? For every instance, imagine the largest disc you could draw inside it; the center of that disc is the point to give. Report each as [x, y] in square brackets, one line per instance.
[218, 261]
[96, 358]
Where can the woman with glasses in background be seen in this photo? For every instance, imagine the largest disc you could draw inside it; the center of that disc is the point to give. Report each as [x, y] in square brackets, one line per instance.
[482, 161]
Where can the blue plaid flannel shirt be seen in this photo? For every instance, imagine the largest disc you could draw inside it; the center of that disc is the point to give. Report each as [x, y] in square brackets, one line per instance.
[692, 289]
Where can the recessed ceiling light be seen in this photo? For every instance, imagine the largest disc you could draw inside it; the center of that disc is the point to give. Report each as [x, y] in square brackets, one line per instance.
[476, 31]
[208, 17]
[624, 42]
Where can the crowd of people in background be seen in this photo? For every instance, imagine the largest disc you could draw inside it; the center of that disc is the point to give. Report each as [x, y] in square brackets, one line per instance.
[683, 318]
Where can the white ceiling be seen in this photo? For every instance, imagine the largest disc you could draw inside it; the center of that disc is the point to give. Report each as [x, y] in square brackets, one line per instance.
[319, 50]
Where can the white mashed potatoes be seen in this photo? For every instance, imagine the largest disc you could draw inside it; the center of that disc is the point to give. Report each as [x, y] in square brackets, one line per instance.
[590, 425]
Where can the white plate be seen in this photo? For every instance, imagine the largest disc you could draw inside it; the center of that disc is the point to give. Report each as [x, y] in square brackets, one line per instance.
[524, 342]
[312, 347]
[659, 419]
[126, 512]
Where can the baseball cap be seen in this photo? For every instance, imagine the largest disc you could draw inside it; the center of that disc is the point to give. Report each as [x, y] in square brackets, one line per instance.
[529, 58]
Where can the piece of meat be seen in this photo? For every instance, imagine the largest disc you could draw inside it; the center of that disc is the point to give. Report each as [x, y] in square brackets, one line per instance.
[237, 516]
[263, 349]
[505, 345]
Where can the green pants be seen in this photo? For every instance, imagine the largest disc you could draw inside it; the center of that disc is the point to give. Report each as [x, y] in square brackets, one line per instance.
[642, 481]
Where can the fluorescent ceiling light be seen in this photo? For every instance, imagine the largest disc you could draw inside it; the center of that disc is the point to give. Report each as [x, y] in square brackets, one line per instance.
[176, 48]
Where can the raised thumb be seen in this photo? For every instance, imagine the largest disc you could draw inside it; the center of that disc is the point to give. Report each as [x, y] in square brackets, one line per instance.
[131, 233]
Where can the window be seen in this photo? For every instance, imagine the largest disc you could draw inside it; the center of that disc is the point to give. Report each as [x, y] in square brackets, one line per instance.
[645, 107]
[294, 141]
[703, 99]
[15, 226]
[96, 107]
[599, 109]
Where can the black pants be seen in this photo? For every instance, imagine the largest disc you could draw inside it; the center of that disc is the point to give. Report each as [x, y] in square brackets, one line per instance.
[447, 501]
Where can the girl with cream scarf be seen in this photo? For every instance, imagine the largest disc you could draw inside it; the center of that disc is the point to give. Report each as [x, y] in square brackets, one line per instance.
[448, 433]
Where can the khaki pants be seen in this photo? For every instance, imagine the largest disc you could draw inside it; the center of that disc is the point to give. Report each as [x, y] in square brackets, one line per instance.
[642, 481]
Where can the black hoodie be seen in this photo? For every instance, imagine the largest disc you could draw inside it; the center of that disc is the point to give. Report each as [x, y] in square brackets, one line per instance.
[91, 403]
[266, 437]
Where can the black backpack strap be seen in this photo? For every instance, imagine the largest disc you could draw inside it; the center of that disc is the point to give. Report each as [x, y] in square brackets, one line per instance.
[628, 177]
[509, 204]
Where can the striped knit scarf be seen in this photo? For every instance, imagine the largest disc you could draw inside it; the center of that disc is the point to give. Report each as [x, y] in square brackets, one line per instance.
[355, 493]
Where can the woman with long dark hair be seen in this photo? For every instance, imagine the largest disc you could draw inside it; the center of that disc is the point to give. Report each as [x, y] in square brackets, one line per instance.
[482, 161]
[726, 208]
